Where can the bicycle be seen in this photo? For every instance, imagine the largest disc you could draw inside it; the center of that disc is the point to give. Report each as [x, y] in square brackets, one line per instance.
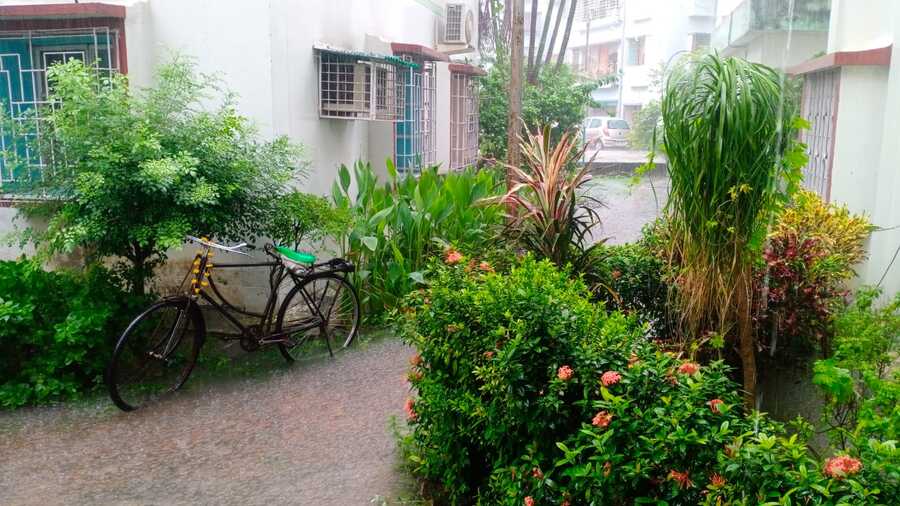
[157, 352]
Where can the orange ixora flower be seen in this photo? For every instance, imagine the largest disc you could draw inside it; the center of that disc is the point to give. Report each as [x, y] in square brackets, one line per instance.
[485, 267]
[689, 368]
[410, 408]
[610, 378]
[452, 257]
[529, 501]
[716, 481]
[489, 354]
[537, 473]
[682, 478]
[602, 419]
[842, 466]
[565, 373]
[714, 405]
[415, 360]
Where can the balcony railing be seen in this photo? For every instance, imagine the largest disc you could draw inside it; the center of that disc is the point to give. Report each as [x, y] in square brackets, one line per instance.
[753, 16]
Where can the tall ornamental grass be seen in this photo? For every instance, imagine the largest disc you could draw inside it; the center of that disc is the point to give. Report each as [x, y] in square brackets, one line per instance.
[729, 129]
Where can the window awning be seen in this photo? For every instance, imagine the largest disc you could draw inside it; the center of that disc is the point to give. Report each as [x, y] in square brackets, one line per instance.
[878, 56]
[465, 68]
[364, 55]
[62, 11]
[423, 52]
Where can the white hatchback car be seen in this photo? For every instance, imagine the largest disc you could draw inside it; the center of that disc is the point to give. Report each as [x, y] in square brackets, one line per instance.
[605, 132]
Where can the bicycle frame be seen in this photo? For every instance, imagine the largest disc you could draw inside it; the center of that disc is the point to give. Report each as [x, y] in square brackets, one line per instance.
[278, 274]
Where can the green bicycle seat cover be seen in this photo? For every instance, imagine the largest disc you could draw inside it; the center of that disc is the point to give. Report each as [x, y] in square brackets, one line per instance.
[296, 256]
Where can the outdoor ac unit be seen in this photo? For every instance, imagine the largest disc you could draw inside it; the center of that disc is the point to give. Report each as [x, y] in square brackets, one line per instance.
[458, 26]
[350, 100]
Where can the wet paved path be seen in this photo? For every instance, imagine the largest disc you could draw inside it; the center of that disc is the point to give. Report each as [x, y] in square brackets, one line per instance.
[312, 434]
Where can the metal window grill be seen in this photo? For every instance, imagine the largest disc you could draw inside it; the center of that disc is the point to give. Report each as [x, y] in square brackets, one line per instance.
[819, 106]
[454, 22]
[414, 134]
[25, 57]
[346, 89]
[463, 121]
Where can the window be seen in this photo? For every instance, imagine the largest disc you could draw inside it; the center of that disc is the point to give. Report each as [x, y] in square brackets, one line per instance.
[463, 121]
[25, 56]
[636, 51]
[819, 106]
[346, 88]
[414, 134]
[699, 40]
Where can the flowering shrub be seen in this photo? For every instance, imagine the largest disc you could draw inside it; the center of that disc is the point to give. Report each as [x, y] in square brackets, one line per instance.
[527, 393]
[810, 256]
[513, 373]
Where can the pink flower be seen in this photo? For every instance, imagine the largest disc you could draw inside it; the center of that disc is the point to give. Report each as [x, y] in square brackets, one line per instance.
[485, 267]
[489, 354]
[842, 466]
[682, 478]
[602, 419]
[529, 501]
[714, 405]
[410, 408]
[565, 373]
[716, 481]
[689, 368]
[610, 378]
[453, 257]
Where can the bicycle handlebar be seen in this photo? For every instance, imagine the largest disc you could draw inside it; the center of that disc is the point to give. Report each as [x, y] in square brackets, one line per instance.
[210, 244]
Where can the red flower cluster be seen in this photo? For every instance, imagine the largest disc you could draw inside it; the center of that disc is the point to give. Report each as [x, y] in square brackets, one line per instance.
[841, 467]
[610, 378]
[682, 478]
[714, 405]
[485, 267]
[602, 419]
[716, 481]
[689, 368]
[529, 501]
[565, 373]
[410, 408]
[452, 257]
[415, 360]
[537, 473]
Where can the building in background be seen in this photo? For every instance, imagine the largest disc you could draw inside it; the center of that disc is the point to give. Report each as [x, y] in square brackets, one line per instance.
[632, 40]
[778, 33]
[851, 97]
[349, 79]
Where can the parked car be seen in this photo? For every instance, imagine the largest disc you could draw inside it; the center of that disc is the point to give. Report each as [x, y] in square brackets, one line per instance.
[606, 132]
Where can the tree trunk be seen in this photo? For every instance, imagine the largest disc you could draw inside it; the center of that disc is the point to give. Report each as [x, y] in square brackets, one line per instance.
[566, 33]
[559, 15]
[531, 34]
[514, 124]
[536, 68]
[747, 342]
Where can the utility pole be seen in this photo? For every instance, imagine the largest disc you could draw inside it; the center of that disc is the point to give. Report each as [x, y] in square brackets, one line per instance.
[516, 50]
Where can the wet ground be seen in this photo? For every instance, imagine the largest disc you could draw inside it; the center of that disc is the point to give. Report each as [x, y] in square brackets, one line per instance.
[316, 433]
[629, 203]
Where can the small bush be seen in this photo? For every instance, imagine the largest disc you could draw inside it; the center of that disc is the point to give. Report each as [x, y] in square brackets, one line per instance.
[810, 256]
[57, 331]
[629, 277]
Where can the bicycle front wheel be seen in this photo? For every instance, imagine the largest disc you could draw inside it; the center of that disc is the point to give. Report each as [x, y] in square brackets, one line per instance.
[321, 316]
[155, 354]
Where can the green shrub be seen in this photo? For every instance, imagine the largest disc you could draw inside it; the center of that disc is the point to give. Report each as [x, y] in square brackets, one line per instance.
[529, 394]
[304, 220]
[397, 226]
[57, 331]
[629, 277]
[647, 121]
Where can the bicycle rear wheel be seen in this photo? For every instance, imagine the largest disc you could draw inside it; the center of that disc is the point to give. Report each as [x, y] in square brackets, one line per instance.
[155, 354]
[324, 312]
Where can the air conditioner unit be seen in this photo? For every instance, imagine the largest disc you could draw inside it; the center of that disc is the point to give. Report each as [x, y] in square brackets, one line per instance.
[458, 26]
[346, 90]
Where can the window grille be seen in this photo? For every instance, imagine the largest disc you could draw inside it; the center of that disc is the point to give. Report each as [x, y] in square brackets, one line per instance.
[346, 89]
[819, 107]
[25, 57]
[463, 121]
[415, 143]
